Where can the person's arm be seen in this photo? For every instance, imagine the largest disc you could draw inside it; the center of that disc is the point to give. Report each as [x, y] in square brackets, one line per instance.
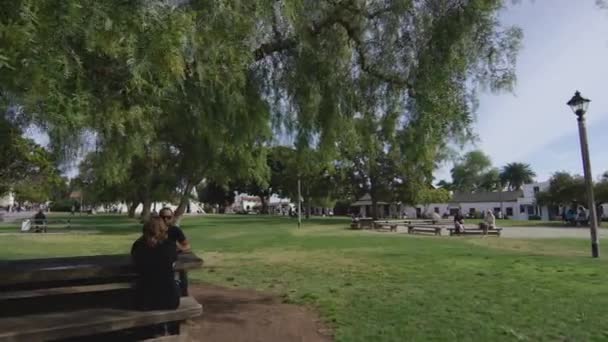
[182, 243]
[184, 246]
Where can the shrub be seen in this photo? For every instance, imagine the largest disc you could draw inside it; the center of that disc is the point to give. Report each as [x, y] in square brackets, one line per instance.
[64, 205]
[534, 218]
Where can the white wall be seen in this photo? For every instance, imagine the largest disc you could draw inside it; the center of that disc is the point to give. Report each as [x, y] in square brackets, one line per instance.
[411, 211]
[6, 200]
[483, 206]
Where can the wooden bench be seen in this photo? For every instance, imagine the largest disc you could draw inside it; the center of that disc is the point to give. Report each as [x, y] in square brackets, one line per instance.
[82, 298]
[390, 224]
[386, 226]
[412, 229]
[476, 231]
[35, 227]
[362, 223]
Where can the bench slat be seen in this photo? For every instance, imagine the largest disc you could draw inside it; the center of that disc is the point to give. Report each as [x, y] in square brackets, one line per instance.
[72, 268]
[436, 230]
[61, 325]
[64, 290]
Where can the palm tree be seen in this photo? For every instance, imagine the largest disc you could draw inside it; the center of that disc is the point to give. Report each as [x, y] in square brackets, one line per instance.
[517, 174]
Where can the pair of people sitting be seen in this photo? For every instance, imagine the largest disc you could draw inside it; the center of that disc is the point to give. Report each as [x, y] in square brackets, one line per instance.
[489, 221]
[154, 255]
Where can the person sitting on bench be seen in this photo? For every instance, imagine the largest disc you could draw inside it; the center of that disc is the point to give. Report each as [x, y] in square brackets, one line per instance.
[489, 221]
[40, 222]
[154, 256]
[176, 234]
[459, 222]
[435, 218]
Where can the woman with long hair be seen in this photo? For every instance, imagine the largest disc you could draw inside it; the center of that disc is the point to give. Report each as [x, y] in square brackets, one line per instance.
[154, 256]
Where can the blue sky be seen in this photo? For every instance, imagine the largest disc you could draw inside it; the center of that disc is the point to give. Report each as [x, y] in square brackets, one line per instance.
[565, 48]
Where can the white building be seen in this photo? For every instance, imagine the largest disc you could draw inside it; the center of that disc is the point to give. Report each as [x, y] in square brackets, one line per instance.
[517, 205]
[8, 200]
[276, 205]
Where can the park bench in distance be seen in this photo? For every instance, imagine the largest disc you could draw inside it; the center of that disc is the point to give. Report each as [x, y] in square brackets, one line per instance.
[390, 225]
[424, 228]
[362, 223]
[81, 298]
[35, 226]
[476, 231]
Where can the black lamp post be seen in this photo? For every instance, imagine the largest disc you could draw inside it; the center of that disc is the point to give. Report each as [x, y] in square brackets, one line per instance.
[579, 106]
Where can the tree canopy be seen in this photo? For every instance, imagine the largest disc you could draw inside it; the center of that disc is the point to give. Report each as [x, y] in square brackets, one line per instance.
[564, 188]
[517, 174]
[470, 172]
[197, 86]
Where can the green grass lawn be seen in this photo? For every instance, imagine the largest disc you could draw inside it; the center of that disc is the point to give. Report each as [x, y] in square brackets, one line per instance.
[379, 286]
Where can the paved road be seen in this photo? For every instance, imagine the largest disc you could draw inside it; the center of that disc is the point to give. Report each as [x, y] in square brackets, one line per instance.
[549, 232]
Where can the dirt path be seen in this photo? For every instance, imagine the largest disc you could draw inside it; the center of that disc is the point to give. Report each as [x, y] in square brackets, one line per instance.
[243, 315]
[549, 232]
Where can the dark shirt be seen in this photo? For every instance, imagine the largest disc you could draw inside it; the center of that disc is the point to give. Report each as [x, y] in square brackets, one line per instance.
[39, 218]
[458, 218]
[176, 234]
[155, 287]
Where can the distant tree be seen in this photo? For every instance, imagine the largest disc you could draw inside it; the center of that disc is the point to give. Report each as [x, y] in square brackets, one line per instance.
[601, 192]
[601, 189]
[26, 168]
[215, 194]
[564, 189]
[517, 174]
[491, 180]
[443, 184]
[467, 174]
[429, 195]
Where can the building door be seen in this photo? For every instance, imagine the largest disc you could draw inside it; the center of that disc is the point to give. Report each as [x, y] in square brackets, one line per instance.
[418, 212]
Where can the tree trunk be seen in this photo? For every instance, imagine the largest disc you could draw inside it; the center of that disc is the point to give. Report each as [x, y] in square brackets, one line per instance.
[374, 197]
[264, 204]
[145, 211]
[183, 203]
[374, 207]
[308, 207]
[131, 209]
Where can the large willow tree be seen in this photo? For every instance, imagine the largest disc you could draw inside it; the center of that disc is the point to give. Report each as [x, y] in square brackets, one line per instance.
[199, 84]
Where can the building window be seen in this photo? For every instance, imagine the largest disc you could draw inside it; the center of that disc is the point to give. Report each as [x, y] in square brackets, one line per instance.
[509, 211]
[530, 210]
[437, 210]
[522, 209]
[536, 189]
[472, 211]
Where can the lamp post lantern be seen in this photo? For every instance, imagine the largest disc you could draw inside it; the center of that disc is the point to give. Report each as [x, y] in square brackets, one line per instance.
[579, 106]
